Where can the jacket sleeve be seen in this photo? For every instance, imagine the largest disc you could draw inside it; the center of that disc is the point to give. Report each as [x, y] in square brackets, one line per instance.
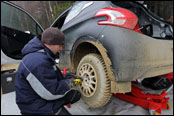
[46, 83]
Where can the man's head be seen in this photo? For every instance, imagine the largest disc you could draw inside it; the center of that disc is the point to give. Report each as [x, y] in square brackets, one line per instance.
[53, 38]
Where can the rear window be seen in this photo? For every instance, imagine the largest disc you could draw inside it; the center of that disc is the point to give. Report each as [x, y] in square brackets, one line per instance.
[76, 9]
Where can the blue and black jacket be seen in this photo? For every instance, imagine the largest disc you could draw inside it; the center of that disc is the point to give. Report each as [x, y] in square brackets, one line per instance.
[40, 85]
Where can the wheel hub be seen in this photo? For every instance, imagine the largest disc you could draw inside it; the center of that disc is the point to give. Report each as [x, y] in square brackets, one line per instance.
[89, 84]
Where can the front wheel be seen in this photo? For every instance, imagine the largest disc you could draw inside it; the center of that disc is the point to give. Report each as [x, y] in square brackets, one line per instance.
[95, 87]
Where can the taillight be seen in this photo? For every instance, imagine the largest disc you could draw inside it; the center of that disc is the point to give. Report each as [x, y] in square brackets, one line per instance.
[117, 17]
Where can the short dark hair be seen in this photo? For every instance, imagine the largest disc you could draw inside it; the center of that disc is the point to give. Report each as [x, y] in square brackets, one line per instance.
[52, 36]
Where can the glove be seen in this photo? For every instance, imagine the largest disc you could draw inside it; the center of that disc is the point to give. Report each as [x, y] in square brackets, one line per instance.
[72, 97]
[77, 79]
[71, 75]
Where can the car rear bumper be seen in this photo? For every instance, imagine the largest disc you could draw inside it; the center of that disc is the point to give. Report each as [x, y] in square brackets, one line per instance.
[136, 56]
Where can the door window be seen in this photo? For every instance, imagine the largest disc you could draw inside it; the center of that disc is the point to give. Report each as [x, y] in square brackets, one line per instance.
[17, 28]
[14, 18]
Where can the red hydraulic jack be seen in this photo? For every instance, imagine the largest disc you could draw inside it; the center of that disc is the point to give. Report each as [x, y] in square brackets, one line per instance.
[153, 102]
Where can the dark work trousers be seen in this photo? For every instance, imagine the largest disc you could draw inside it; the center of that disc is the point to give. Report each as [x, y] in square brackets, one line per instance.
[70, 98]
[61, 111]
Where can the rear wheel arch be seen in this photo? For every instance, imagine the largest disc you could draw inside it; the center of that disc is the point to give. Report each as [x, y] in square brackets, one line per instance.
[86, 45]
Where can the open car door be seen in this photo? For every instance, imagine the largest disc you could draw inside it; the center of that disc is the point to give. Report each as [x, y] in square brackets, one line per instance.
[17, 28]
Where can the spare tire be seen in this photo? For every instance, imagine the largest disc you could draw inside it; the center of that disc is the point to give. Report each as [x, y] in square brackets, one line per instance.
[95, 88]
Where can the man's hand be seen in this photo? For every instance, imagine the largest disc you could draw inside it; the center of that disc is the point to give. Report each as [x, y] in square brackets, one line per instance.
[71, 76]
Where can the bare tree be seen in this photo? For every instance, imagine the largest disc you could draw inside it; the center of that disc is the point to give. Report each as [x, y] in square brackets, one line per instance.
[56, 4]
[51, 10]
[46, 11]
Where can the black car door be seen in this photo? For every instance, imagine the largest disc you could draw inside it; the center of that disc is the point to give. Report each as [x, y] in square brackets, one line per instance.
[17, 28]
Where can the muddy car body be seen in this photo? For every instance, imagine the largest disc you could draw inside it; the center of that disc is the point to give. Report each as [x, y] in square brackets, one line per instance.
[127, 54]
[109, 55]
